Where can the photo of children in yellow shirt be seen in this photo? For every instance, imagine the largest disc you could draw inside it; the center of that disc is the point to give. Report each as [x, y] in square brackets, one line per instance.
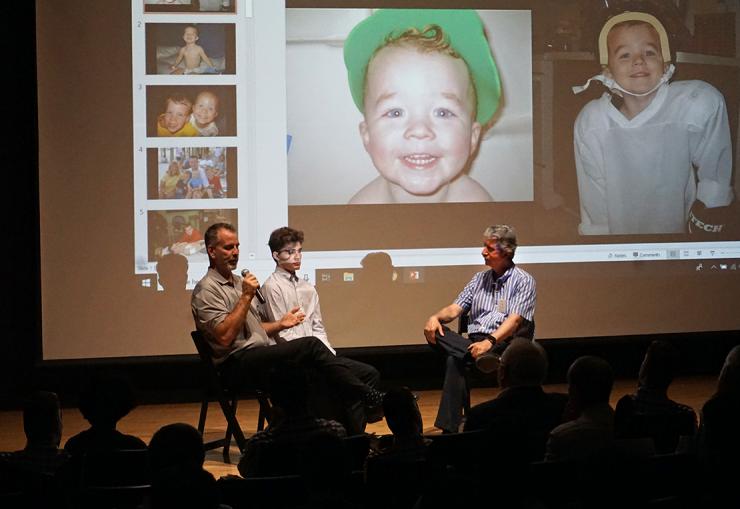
[175, 119]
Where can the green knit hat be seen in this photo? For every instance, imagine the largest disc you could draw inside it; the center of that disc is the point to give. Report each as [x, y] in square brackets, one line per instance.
[463, 30]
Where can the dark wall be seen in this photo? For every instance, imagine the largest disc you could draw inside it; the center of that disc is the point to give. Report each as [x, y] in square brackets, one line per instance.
[20, 252]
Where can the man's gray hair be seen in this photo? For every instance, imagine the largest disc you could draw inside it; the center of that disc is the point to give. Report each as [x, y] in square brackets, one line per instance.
[525, 363]
[505, 237]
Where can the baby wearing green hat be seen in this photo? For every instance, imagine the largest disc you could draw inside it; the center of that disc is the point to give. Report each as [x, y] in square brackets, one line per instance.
[427, 84]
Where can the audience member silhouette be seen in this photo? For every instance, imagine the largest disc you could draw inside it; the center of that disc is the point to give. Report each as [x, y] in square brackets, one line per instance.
[650, 412]
[405, 423]
[42, 425]
[719, 435]
[720, 415]
[175, 446]
[30, 472]
[395, 474]
[276, 451]
[523, 413]
[590, 381]
[185, 488]
[105, 400]
[176, 458]
[323, 464]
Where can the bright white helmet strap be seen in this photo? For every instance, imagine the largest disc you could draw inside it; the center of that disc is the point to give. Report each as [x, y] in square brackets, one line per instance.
[616, 88]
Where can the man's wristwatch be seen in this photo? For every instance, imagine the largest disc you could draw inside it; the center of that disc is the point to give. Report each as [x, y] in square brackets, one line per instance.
[491, 339]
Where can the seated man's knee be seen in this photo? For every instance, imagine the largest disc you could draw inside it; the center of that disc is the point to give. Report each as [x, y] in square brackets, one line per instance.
[452, 362]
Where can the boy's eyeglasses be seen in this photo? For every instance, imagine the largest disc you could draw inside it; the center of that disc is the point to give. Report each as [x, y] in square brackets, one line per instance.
[291, 252]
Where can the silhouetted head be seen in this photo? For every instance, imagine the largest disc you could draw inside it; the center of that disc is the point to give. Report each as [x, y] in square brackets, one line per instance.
[105, 400]
[172, 270]
[402, 412]
[523, 364]
[377, 268]
[659, 366]
[590, 381]
[42, 419]
[176, 445]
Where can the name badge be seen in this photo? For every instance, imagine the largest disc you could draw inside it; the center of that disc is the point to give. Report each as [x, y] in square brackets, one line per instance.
[501, 306]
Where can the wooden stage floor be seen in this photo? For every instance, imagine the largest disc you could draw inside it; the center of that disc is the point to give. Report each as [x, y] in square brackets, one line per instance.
[144, 420]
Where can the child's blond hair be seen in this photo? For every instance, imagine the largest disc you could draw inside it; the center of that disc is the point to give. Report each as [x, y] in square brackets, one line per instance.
[430, 39]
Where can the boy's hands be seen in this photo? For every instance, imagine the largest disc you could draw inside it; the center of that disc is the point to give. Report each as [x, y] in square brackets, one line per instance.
[292, 318]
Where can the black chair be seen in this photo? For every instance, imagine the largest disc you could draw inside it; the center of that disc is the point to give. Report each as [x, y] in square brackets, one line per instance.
[115, 478]
[274, 492]
[227, 399]
[357, 448]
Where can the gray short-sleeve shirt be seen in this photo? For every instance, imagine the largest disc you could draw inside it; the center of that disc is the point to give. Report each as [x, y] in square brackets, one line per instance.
[214, 297]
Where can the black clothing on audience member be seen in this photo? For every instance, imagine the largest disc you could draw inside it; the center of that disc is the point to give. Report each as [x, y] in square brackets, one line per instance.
[101, 440]
[42, 425]
[30, 472]
[42, 460]
[720, 425]
[292, 430]
[529, 413]
[650, 415]
[719, 436]
[720, 415]
[590, 382]
[184, 487]
[103, 402]
[277, 450]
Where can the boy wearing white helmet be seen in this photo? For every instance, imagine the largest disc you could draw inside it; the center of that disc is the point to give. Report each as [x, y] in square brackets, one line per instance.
[651, 156]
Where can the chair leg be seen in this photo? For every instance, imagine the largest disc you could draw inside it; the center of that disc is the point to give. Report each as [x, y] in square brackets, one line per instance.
[227, 436]
[466, 401]
[232, 426]
[264, 412]
[203, 414]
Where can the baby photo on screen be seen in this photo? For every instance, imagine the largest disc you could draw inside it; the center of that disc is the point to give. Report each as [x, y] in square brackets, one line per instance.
[196, 48]
[189, 110]
[427, 106]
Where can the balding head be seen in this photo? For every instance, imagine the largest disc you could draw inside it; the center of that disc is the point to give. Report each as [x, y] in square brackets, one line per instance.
[729, 377]
[523, 364]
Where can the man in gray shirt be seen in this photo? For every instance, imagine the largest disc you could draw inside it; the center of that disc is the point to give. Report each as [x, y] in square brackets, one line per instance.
[225, 312]
[286, 294]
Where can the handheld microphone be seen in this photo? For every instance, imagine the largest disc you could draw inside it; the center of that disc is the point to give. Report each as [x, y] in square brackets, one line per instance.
[257, 292]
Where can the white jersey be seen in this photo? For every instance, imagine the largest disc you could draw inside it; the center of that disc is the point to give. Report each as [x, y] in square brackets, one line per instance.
[642, 175]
